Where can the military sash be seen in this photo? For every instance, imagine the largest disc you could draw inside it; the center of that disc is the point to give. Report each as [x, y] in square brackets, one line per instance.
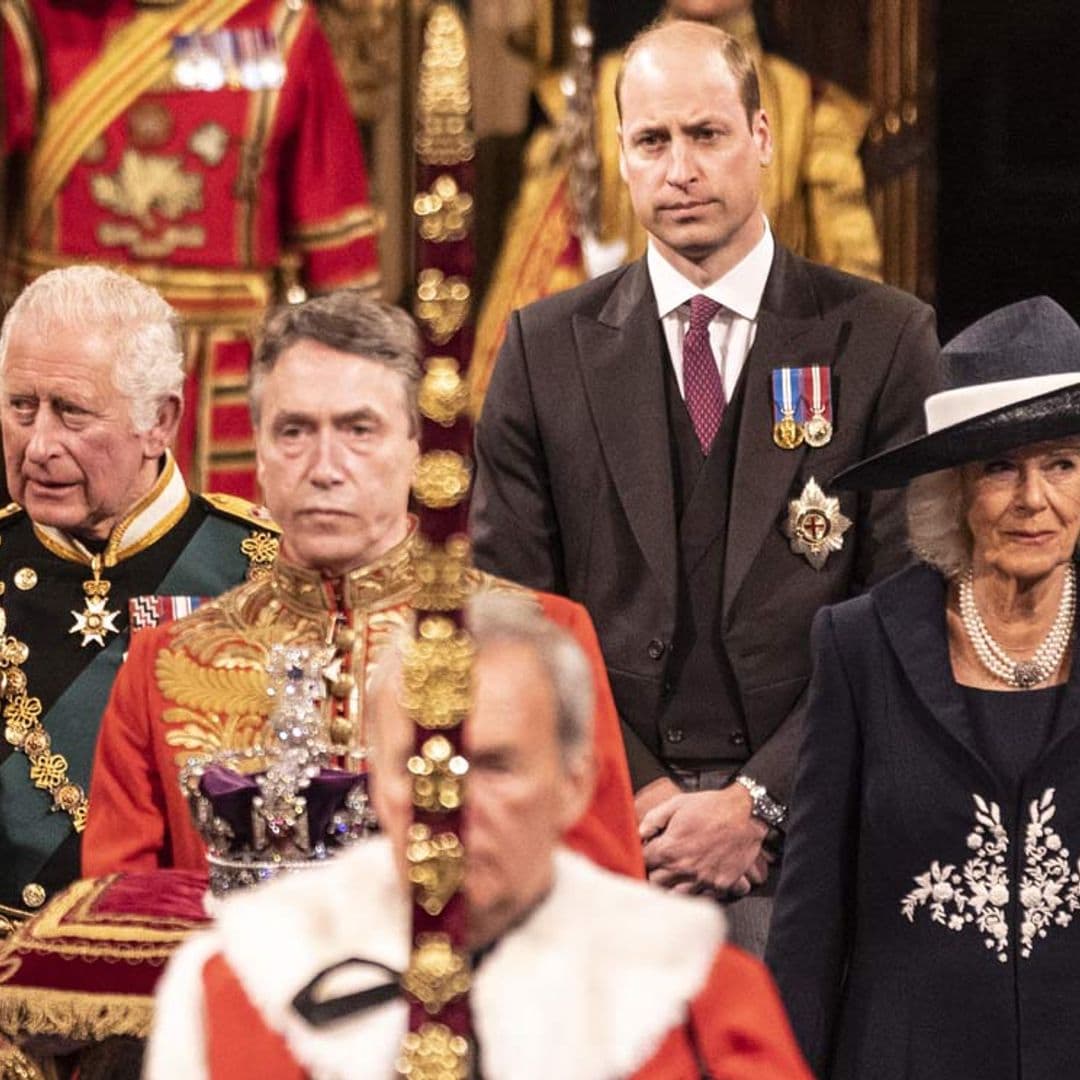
[134, 59]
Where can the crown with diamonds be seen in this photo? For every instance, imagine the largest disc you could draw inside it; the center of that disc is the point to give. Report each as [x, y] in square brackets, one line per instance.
[282, 805]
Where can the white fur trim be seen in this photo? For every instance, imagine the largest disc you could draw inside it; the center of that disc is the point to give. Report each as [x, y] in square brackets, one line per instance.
[586, 989]
[951, 407]
[591, 984]
[177, 1047]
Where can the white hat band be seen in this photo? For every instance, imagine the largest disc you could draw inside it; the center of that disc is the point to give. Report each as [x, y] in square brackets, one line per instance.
[952, 407]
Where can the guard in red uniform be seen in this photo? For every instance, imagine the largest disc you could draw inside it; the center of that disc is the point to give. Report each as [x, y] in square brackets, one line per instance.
[205, 146]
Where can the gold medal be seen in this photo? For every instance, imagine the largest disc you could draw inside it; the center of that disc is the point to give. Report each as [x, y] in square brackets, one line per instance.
[787, 434]
[818, 431]
[815, 527]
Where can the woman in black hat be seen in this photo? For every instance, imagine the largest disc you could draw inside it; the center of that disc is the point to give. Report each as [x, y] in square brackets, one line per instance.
[927, 923]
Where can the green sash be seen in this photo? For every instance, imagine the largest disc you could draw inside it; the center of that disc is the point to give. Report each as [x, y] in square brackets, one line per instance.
[210, 563]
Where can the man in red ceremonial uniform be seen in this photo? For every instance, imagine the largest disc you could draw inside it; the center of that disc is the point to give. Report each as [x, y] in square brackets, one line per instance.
[205, 146]
[569, 979]
[334, 402]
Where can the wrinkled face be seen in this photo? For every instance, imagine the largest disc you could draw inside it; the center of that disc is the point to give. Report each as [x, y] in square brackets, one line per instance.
[706, 10]
[690, 158]
[1023, 509]
[520, 795]
[73, 457]
[335, 456]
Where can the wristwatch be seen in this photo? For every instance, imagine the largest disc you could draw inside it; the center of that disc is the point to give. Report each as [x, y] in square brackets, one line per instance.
[764, 806]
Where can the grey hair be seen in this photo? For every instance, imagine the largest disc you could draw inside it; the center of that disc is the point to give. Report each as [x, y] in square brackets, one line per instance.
[498, 618]
[349, 321]
[937, 530]
[148, 359]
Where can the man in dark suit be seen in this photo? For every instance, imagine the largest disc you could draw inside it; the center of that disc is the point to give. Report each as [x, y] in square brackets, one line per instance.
[649, 442]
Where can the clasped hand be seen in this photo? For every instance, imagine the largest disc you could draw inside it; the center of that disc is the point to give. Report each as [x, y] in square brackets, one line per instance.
[705, 841]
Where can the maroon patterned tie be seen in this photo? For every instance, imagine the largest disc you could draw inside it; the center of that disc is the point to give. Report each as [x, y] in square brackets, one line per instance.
[702, 386]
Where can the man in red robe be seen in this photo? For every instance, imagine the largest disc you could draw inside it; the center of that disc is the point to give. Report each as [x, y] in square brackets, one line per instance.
[334, 404]
[569, 978]
[203, 146]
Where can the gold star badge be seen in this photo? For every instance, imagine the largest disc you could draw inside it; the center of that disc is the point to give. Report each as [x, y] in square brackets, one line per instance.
[95, 621]
[815, 526]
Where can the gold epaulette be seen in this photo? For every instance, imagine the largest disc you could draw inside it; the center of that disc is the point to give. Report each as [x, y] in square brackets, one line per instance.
[241, 510]
[9, 511]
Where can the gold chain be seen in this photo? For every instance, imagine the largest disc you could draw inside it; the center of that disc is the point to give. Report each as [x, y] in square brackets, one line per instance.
[24, 731]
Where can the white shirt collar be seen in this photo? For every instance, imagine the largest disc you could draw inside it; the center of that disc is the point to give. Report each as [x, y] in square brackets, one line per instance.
[739, 290]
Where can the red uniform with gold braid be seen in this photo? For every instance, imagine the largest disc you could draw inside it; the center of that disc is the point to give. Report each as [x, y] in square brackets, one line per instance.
[205, 146]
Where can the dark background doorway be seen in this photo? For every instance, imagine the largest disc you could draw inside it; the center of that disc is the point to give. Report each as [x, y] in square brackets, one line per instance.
[1008, 155]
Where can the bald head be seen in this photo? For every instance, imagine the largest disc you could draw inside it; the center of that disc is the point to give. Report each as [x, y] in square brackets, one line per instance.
[690, 43]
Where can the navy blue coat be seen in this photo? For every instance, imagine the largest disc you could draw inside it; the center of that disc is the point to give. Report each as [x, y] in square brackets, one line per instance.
[927, 923]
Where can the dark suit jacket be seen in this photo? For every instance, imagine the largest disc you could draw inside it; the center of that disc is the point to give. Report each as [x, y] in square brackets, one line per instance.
[574, 484]
[882, 938]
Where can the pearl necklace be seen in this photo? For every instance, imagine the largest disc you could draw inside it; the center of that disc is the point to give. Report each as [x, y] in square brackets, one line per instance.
[1023, 674]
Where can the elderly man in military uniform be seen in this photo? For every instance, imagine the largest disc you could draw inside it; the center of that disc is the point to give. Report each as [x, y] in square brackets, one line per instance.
[91, 375]
[334, 396]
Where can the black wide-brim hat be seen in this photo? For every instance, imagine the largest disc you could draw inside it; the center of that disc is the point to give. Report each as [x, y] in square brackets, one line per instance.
[1013, 380]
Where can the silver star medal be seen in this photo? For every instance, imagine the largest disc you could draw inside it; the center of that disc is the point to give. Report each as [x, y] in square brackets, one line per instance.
[95, 621]
[815, 527]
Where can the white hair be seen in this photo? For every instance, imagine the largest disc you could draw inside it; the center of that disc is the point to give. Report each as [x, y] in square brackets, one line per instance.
[937, 530]
[148, 361]
[500, 618]
[497, 618]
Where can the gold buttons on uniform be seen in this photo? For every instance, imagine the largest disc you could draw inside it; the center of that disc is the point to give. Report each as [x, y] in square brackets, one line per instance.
[25, 578]
[33, 895]
[343, 685]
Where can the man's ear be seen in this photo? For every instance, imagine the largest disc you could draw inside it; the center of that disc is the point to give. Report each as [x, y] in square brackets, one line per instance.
[622, 154]
[166, 425]
[579, 782]
[762, 133]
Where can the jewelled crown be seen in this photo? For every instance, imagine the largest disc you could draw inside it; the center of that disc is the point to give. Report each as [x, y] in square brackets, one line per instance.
[286, 804]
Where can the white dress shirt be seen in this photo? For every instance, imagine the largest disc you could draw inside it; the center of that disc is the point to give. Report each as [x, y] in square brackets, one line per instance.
[732, 330]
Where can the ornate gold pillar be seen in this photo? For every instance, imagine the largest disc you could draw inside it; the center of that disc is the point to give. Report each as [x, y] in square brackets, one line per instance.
[900, 155]
[376, 46]
[885, 52]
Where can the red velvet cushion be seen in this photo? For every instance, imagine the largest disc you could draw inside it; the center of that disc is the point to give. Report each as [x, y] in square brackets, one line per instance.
[85, 966]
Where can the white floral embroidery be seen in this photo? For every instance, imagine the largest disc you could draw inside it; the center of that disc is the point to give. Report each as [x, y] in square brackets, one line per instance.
[979, 893]
[1049, 888]
[983, 901]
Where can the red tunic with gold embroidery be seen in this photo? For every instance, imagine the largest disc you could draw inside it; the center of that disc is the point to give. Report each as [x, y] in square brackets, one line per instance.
[213, 189]
[198, 685]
